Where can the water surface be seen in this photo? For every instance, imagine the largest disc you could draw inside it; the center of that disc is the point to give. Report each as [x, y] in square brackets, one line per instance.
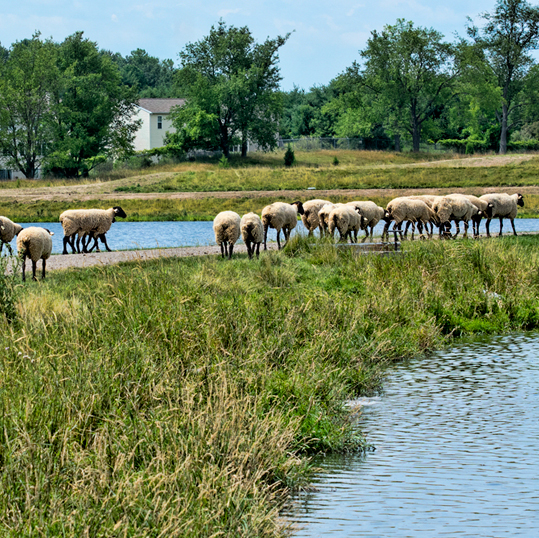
[456, 437]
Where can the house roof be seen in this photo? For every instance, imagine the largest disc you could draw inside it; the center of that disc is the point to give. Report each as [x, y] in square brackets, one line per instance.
[159, 106]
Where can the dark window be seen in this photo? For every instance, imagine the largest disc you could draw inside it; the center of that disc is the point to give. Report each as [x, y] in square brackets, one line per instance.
[159, 122]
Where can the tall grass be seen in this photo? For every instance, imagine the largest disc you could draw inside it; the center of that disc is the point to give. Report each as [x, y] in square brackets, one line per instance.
[180, 397]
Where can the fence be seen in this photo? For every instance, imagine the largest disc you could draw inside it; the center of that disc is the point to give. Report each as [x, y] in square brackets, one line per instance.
[380, 144]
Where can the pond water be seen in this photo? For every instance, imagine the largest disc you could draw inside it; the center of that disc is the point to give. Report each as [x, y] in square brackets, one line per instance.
[456, 438]
[140, 235]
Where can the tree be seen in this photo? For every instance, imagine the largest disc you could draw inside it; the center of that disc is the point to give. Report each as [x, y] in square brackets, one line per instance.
[230, 83]
[407, 77]
[93, 110]
[507, 38]
[28, 77]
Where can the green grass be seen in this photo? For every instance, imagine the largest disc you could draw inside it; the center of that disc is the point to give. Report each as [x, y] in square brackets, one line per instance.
[180, 397]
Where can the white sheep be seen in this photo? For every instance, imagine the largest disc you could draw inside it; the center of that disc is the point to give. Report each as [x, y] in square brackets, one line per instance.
[252, 233]
[34, 243]
[281, 216]
[226, 227]
[346, 219]
[310, 214]
[462, 210]
[94, 223]
[482, 207]
[371, 215]
[405, 209]
[8, 230]
[323, 216]
[502, 206]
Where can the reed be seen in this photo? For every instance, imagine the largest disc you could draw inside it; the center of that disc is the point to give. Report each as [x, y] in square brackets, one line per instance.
[182, 397]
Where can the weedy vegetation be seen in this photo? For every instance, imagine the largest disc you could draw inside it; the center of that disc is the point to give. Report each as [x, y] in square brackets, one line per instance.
[184, 397]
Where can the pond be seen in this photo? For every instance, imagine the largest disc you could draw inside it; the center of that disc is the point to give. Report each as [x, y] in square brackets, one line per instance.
[140, 235]
[456, 436]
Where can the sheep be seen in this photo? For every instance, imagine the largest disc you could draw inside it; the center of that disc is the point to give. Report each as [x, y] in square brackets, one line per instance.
[463, 210]
[429, 199]
[482, 207]
[281, 216]
[34, 243]
[310, 215]
[93, 222]
[323, 216]
[252, 233]
[347, 220]
[403, 208]
[503, 206]
[371, 215]
[8, 230]
[226, 226]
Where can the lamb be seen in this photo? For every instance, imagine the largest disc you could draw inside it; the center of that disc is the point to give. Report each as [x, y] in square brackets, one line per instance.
[503, 206]
[281, 216]
[226, 227]
[482, 207]
[34, 243]
[252, 233]
[347, 220]
[371, 215]
[93, 222]
[310, 215]
[402, 209]
[8, 230]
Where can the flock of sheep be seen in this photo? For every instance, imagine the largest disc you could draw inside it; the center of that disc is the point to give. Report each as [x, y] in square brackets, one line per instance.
[425, 211]
[349, 218]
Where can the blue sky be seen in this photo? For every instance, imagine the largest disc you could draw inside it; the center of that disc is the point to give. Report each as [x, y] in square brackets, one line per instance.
[325, 40]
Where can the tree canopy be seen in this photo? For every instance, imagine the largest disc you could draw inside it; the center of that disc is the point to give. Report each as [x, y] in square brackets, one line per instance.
[230, 83]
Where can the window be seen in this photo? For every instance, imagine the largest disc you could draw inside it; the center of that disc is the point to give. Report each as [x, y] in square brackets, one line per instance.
[159, 122]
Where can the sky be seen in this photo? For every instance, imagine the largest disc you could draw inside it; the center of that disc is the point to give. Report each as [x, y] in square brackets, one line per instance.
[325, 35]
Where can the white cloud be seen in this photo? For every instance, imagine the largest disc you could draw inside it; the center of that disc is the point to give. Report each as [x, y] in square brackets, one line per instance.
[114, 18]
[224, 12]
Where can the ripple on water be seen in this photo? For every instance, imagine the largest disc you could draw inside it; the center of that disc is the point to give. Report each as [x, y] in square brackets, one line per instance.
[456, 437]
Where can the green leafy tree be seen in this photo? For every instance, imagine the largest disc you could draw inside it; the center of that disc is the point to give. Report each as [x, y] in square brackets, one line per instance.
[28, 77]
[409, 74]
[510, 33]
[230, 83]
[93, 110]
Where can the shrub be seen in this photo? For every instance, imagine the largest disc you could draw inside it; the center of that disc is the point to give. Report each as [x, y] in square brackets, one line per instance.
[8, 272]
[224, 162]
[289, 156]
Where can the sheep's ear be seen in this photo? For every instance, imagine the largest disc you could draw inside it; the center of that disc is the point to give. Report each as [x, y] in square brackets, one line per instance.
[2, 228]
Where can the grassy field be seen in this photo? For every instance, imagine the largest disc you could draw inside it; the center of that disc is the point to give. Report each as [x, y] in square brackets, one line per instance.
[181, 398]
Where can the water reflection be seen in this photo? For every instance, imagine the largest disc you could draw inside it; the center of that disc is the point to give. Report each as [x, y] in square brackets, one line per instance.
[456, 438]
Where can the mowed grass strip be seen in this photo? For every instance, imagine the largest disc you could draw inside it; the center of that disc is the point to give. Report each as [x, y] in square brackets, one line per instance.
[181, 397]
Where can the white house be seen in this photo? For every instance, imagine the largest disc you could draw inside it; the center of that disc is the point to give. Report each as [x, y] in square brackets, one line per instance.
[155, 116]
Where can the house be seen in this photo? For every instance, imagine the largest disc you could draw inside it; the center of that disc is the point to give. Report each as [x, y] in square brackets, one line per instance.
[155, 116]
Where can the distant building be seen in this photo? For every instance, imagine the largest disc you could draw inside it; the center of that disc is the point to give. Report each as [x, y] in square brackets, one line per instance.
[7, 173]
[155, 116]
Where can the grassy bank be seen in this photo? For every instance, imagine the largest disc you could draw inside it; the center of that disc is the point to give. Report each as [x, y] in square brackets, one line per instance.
[180, 397]
[164, 209]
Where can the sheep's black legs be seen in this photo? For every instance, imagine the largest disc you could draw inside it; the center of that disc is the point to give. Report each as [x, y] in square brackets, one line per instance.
[222, 250]
[43, 269]
[67, 242]
[257, 249]
[487, 226]
[34, 267]
[501, 225]
[250, 248]
[265, 237]
[230, 249]
[513, 225]
[103, 239]
[23, 258]
[278, 241]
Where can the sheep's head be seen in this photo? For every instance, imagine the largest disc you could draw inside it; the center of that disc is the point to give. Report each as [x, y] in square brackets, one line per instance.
[387, 215]
[48, 231]
[520, 200]
[119, 212]
[299, 207]
[489, 210]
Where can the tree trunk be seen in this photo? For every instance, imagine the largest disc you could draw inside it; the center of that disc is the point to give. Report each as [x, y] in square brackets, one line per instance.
[416, 129]
[503, 134]
[398, 143]
[244, 146]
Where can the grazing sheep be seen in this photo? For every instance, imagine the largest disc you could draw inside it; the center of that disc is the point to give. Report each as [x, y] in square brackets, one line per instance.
[8, 230]
[404, 209]
[502, 206]
[310, 215]
[371, 215]
[34, 243]
[252, 233]
[93, 222]
[429, 199]
[281, 216]
[226, 227]
[482, 207]
[347, 220]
